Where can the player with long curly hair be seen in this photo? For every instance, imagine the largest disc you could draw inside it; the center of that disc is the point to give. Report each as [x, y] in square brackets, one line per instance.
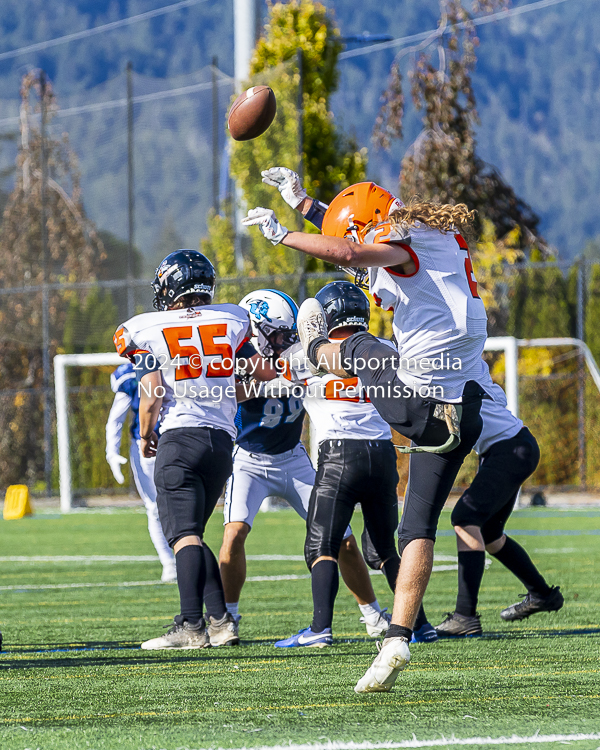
[418, 266]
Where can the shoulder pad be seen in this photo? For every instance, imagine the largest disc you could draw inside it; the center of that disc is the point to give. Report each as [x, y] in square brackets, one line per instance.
[385, 232]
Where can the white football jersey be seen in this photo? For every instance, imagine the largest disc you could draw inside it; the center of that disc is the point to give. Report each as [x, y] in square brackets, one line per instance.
[440, 323]
[498, 422]
[339, 408]
[195, 352]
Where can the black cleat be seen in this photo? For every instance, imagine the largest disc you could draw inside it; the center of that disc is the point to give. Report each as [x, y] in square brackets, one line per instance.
[533, 603]
[456, 625]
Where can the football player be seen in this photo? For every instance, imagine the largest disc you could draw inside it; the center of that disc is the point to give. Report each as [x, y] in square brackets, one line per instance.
[184, 354]
[509, 454]
[270, 460]
[124, 385]
[357, 464]
[418, 266]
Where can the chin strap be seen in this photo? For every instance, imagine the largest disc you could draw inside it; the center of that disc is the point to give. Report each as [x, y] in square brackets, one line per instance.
[451, 414]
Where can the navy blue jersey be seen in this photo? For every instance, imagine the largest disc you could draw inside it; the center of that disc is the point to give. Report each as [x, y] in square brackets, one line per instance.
[123, 380]
[269, 425]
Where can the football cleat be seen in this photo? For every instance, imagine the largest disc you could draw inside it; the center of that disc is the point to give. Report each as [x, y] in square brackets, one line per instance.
[380, 677]
[533, 603]
[380, 627]
[456, 625]
[181, 635]
[223, 631]
[425, 634]
[311, 326]
[306, 637]
[169, 573]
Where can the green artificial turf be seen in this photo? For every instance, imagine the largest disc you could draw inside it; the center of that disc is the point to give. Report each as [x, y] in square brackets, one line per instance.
[72, 674]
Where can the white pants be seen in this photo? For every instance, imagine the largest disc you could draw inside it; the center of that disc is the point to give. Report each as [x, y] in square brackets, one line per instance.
[255, 476]
[143, 475]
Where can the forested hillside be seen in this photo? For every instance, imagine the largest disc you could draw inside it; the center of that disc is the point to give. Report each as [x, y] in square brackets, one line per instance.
[537, 85]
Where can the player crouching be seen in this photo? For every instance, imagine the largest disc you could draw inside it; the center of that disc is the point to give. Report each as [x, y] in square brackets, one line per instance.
[185, 364]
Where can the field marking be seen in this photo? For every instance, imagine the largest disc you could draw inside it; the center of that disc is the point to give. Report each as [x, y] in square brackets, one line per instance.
[88, 559]
[536, 739]
[250, 579]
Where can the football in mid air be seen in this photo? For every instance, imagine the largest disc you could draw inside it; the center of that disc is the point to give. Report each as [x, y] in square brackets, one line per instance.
[252, 113]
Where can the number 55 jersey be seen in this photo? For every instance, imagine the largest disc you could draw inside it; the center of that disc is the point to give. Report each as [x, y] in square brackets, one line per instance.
[194, 349]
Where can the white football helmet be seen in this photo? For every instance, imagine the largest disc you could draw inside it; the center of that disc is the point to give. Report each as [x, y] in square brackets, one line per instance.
[273, 317]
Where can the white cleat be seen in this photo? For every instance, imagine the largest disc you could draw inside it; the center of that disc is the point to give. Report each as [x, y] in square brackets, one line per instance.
[381, 675]
[378, 628]
[169, 573]
[223, 632]
[311, 326]
[181, 635]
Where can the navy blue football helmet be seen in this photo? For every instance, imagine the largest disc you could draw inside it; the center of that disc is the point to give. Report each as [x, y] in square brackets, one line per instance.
[344, 305]
[180, 273]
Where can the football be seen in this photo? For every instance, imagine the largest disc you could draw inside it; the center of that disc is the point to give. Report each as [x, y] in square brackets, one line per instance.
[252, 113]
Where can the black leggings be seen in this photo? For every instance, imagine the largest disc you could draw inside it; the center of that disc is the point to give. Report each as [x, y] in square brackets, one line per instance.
[192, 466]
[351, 472]
[490, 499]
[431, 475]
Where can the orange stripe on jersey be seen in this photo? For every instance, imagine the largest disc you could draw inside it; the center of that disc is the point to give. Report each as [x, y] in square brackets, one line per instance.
[414, 257]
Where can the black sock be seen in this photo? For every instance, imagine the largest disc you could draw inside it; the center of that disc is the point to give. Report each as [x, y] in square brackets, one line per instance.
[399, 631]
[325, 585]
[313, 349]
[516, 559]
[471, 564]
[214, 597]
[421, 618]
[191, 575]
[390, 569]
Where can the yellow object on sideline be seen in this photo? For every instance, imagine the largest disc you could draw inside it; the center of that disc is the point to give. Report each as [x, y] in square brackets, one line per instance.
[16, 502]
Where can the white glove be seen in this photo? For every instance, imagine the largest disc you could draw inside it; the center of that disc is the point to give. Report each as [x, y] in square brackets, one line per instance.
[115, 461]
[267, 223]
[287, 182]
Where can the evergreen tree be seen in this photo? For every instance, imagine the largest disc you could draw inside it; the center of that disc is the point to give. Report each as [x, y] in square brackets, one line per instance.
[297, 33]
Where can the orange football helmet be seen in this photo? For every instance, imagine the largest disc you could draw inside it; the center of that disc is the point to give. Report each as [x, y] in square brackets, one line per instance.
[355, 207]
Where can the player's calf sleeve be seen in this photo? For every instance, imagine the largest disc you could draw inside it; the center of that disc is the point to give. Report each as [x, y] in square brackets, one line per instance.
[516, 559]
[214, 597]
[191, 576]
[390, 569]
[325, 585]
[471, 564]
[421, 618]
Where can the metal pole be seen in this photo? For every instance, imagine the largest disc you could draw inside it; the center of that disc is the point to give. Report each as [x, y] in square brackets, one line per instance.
[45, 292]
[300, 115]
[581, 375]
[215, 135]
[130, 193]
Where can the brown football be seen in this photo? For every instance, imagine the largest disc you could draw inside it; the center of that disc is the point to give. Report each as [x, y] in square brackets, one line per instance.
[251, 113]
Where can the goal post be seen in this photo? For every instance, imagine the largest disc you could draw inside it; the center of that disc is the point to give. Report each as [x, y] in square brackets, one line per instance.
[61, 362]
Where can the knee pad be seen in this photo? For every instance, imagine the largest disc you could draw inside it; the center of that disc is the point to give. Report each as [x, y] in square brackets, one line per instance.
[315, 548]
[462, 515]
[404, 541]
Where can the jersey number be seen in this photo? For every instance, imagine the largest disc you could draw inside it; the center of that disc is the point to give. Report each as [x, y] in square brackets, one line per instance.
[193, 369]
[471, 280]
[335, 390]
[273, 411]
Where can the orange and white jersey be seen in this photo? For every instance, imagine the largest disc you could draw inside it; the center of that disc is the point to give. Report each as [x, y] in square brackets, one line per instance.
[440, 323]
[194, 349]
[339, 408]
[498, 422]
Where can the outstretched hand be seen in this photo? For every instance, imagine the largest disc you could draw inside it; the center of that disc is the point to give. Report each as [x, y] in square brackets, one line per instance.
[287, 182]
[267, 222]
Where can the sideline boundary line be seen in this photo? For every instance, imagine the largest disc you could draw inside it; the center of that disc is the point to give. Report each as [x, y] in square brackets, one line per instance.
[537, 739]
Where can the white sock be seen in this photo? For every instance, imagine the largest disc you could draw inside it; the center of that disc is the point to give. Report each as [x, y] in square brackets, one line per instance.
[370, 611]
[232, 608]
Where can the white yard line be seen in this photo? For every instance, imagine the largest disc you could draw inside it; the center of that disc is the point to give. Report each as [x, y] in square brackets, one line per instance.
[536, 739]
[88, 559]
[250, 579]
